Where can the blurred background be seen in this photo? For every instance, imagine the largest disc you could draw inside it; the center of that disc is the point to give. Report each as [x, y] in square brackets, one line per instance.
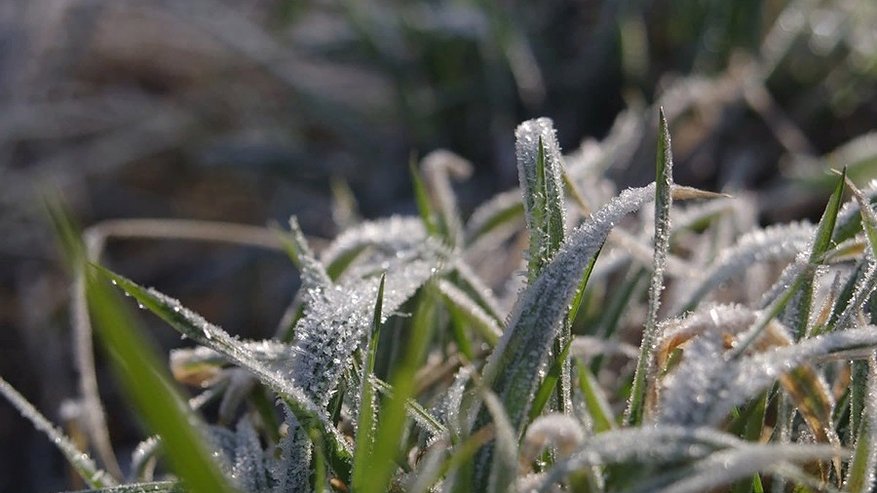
[248, 112]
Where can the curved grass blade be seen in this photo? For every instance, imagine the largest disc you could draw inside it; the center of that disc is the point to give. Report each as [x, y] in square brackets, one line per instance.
[150, 389]
[774, 243]
[726, 466]
[80, 461]
[365, 426]
[523, 351]
[644, 376]
[438, 168]
[642, 445]
[196, 328]
[384, 236]
[710, 384]
[503, 209]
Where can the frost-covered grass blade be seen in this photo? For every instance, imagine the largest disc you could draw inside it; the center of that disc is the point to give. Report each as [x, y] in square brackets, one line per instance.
[644, 374]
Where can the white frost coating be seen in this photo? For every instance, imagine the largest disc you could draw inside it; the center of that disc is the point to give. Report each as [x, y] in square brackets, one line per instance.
[394, 234]
[313, 274]
[291, 471]
[775, 243]
[249, 469]
[559, 430]
[543, 202]
[83, 464]
[727, 466]
[514, 366]
[646, 444]
[706, 385]
[335, 325]
[487, 216]
[449, 409]
[866, 443]
[864, 287]
[207, 334]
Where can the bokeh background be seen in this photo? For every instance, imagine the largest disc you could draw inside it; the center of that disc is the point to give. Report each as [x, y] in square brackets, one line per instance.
[248, 112]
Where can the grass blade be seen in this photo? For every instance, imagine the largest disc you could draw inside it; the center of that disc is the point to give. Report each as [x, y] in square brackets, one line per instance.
[365, 426]
[81, 462]
[393, 422]
[644, 376]
[523, 351]
[860, 477]
[595, 400]
[196, 328]
[151, 391]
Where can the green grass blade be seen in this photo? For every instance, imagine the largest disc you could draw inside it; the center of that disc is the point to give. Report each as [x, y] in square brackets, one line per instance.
[196, 328]
[663, 201]
[424, 205]
[149, 387]
[860, 477]
[392, 416]
[365, 427]
[595, 400]
[549, 383]
[81, 462]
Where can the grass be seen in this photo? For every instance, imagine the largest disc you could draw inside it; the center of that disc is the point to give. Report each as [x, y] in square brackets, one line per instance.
[405, 363]
[766, 392]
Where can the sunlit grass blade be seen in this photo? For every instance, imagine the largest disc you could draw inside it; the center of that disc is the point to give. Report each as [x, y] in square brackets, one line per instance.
[196, 328]
[80, 461]
[365, 426]
[392, 414]
[860, 476]
[643, 378]
[149, 387]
